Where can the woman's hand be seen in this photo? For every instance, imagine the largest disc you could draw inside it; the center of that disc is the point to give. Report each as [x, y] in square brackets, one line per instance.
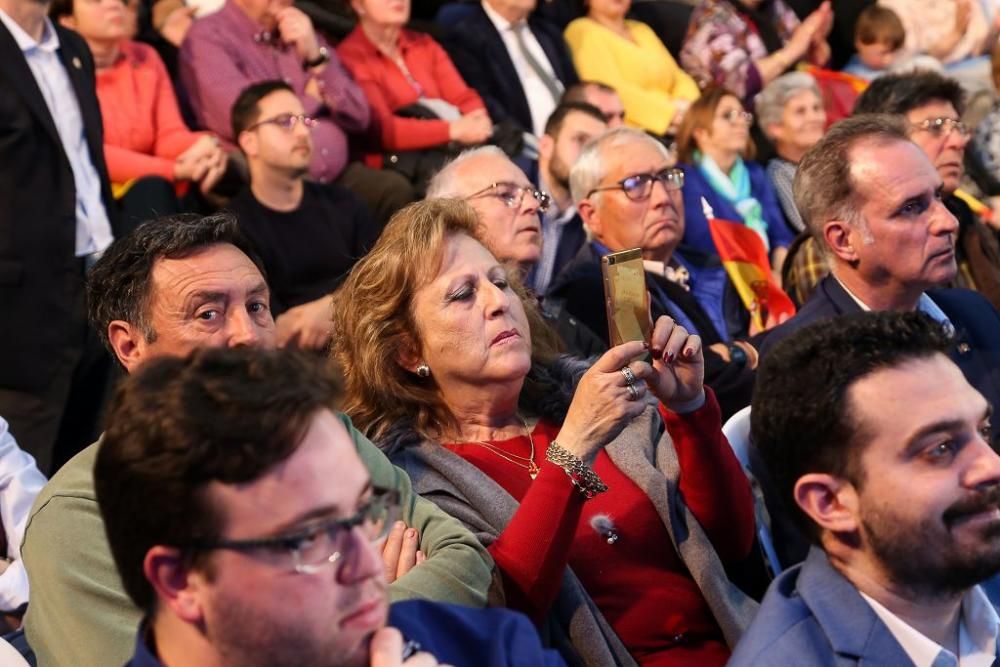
[472, 128]
[603, 403]
[678, 373]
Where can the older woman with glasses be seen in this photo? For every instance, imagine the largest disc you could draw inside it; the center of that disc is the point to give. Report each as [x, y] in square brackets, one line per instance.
[607, 495]
[716, 151]
[149, 151]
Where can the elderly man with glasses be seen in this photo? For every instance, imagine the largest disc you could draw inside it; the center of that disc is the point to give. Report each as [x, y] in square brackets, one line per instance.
[628, 193]
[308, 234]
[261, 545]
[510, 209]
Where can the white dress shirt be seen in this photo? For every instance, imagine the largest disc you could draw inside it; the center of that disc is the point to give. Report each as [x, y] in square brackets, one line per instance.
[93, 229]
[539, 98]
[977, 640]
[20, 482]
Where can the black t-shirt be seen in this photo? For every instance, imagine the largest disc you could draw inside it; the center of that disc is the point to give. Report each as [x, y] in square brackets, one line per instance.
[307, 252]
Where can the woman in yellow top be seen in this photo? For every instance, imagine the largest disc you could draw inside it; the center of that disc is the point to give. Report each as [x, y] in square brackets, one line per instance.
[628, 56]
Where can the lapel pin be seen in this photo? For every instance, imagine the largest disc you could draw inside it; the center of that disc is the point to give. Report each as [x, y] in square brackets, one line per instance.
[76, 63]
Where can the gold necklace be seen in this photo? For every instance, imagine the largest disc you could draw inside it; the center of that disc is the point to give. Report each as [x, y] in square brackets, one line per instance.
[526, 462]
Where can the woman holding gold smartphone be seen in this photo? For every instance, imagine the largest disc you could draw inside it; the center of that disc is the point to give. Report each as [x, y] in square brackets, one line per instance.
[607, 494]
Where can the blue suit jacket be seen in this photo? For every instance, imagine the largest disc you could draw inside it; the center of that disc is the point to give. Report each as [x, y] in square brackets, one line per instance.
[813, 616]
[976, 348]
[480, 55]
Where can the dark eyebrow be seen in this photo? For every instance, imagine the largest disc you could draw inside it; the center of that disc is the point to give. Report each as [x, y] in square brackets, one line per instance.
[206, 295]
[260, 288]
[322, 512]
[942, 426]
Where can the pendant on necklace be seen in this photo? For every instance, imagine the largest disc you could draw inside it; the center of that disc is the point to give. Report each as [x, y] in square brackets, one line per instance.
[532, 469]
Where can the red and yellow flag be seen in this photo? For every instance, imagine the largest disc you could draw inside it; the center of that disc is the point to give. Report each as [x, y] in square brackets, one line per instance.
[745, 258]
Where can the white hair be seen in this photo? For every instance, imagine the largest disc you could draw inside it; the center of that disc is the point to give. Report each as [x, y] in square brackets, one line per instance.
[770, 102]
[446, 183]
[590, 168]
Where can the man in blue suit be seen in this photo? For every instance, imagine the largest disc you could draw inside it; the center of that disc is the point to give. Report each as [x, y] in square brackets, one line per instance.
[873, 201]
[883, 449]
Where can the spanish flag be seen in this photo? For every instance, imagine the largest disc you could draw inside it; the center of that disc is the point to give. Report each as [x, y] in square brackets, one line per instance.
[745, 258]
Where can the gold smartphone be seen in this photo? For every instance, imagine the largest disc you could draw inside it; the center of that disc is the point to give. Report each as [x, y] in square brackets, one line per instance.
[625, 296]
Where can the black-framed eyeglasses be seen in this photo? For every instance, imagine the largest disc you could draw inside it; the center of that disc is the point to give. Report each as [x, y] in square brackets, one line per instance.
[638, 187]
[322, 543]
[512, 195]
[286, 121]
[738, 116]
[942, 127]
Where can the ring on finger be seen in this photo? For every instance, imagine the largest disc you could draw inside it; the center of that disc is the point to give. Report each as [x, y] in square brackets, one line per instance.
[628, 374]
[633, 393]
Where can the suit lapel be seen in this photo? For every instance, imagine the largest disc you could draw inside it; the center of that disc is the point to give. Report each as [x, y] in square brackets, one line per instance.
[849, 623]
[502, 61]
[82, 79]
[14, 67]
[838, 296]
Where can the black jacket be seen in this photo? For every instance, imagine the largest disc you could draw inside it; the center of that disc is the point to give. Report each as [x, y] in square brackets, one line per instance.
[480, 55]
[41, 280]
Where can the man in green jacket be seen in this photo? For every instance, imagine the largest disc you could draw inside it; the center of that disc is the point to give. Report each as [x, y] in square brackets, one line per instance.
[170, 287]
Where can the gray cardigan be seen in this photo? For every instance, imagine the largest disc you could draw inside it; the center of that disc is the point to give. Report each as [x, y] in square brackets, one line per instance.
[645, 453]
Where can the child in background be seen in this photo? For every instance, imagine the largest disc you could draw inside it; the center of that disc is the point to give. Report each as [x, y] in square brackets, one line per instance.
[879, 36]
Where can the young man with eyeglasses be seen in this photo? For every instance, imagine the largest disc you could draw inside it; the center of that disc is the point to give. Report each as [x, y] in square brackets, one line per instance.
[244, 524]
[308, 234]
[628, 193]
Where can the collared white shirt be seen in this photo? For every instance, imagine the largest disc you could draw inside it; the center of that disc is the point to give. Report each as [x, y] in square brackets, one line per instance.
[93, 229]
[977, 641]
[553, 223]
[924, 304]
[20, 483]
[539, 98]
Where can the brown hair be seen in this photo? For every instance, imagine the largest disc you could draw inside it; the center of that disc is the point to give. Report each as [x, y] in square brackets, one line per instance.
[700, 116]
[179, 424]
[879, 25]
[824, 188]
[374, 324]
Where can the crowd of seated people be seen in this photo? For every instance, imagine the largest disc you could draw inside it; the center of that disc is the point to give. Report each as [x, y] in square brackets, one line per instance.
[307, 353]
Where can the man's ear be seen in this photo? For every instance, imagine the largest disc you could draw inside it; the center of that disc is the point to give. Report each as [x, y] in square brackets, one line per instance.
[546, 147]
[590, 215]
[178, 587]
[68, 21]
[128, 343]
[841, 237]
[248, 143]
[831, 502]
